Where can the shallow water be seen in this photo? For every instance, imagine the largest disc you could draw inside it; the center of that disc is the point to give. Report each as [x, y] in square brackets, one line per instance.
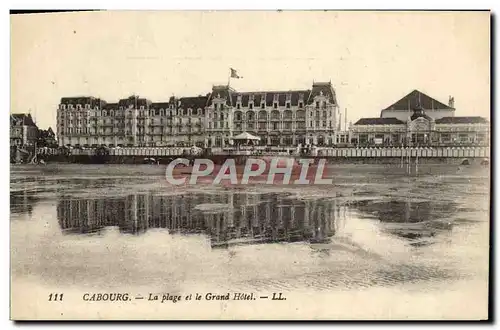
[101, 227]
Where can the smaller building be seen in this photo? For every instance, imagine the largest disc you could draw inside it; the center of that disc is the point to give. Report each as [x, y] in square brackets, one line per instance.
[47, 138]
[441, 128]
[23, 130]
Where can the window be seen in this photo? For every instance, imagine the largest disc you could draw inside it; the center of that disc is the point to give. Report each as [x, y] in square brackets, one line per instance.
[463, 137]
[324, 123]
[276, 105]
[301, 104]
[250, 106]
[111, 113]
[262, 105]
[275, 126]
[288, 105]
[238, 106]
[317, 104]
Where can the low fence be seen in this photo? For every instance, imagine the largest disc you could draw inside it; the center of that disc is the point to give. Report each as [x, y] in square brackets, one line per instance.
[438, 152]
[382, 152]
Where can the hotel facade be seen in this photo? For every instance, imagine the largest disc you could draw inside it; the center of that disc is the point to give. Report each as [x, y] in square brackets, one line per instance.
[278, 117]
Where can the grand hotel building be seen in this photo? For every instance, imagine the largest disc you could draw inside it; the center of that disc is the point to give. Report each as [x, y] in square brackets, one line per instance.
[279, 117]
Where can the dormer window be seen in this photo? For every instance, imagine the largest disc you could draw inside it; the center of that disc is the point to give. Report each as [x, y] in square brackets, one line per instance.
[78, 106]
[250, 105]
[317, 104]
[288, 105]
[63, 106]
[87, 106]
[238, 106]
[301, 104]
[275, 105]
[141, 107]
[262, 105]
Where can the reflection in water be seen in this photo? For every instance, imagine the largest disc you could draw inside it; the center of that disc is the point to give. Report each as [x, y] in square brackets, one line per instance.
[228, 218]
[22, 199]
[410, 219]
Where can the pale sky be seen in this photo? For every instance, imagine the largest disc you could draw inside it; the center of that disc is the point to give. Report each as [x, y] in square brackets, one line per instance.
[372, 58]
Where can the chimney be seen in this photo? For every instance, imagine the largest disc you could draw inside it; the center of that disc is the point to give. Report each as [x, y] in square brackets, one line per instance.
[451, 101]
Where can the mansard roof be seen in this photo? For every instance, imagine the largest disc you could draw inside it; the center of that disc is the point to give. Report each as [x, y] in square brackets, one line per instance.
[82, 100]
[379, 121]
[323, 88]
[135, 101]
[417, 99]
[24, 119]
[268, 96]
[462, 120]
[193, 102]
[223, 91]
[110, 106]
[160, 105]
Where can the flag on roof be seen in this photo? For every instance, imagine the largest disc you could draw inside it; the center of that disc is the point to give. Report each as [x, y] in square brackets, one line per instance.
[234, 74]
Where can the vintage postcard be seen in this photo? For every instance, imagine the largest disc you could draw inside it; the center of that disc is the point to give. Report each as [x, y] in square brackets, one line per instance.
[250, 165]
